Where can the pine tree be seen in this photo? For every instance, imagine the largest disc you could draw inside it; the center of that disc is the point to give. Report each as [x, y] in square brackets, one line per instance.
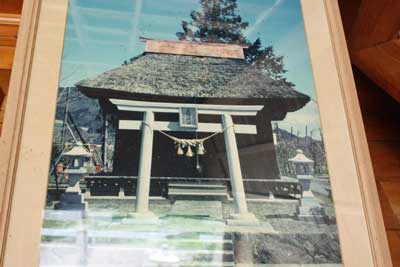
[218, 22]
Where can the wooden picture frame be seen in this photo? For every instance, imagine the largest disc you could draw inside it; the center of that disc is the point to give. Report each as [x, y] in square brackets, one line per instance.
[25, 141]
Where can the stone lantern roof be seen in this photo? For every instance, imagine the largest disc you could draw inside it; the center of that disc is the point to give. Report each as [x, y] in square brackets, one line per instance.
[78, 150]
[300, 158]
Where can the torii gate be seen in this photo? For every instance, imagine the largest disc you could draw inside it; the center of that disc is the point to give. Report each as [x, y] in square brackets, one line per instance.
[148, 125]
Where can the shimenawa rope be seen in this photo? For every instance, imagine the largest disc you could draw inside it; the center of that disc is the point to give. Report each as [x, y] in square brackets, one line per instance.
[189, 142]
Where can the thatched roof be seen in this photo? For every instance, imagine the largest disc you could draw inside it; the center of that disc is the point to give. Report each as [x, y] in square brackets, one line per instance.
[188, 76]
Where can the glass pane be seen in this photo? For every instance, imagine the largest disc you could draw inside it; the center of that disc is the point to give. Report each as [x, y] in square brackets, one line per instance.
[187, 134]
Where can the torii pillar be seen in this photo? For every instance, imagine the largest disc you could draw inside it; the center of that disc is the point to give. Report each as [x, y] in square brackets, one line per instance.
[144, 175]
[241, 216]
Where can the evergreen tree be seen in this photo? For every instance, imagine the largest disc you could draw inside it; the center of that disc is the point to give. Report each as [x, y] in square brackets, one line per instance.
[218, 22]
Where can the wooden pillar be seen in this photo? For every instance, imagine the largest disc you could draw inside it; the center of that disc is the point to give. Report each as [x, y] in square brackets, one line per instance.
[146, 151]
[242, 216]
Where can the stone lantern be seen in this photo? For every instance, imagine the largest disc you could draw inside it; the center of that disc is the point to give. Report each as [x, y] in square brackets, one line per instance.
[79, 160]
[309, 208]
[304, 169]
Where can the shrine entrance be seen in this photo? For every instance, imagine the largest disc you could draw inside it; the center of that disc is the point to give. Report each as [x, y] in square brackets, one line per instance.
[189, 122]
[164, 156]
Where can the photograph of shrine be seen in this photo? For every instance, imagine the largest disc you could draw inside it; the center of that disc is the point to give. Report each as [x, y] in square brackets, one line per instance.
[184, 137]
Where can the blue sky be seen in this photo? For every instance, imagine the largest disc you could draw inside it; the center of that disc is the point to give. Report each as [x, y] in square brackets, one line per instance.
[101, 34]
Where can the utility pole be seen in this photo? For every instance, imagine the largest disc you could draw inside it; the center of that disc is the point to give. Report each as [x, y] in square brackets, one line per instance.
[305, 137]
[291, 132]
[66, 109]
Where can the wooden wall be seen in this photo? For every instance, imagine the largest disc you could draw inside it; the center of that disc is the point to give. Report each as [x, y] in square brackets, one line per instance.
[11, 6]
[373, 36]
[381, 115]
[372, 31]
[10, 11]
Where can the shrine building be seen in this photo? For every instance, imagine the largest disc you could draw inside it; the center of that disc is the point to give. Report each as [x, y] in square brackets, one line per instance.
[145, 101]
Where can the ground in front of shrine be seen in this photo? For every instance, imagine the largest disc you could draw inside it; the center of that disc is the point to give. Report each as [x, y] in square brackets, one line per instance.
[186, 233]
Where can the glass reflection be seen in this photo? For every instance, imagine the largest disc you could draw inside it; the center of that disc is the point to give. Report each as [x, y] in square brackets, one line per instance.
[187, 134]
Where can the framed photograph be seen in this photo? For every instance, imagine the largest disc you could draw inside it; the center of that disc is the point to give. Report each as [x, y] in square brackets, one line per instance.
[186, 133]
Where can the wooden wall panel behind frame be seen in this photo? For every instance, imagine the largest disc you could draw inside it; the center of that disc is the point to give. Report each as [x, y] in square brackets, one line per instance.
[381, 115]
[9, 25]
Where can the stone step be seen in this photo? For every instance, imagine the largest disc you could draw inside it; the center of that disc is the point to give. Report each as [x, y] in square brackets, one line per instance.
[184, 192]
[197, 191]
[197, 186]
[195, 194]
[188, 191]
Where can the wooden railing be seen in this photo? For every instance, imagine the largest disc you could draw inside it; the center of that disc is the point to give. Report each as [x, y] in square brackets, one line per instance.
[103, 185]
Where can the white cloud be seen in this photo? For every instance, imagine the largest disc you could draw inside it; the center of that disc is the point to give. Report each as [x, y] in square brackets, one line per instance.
[134, 28]
[262, 18]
